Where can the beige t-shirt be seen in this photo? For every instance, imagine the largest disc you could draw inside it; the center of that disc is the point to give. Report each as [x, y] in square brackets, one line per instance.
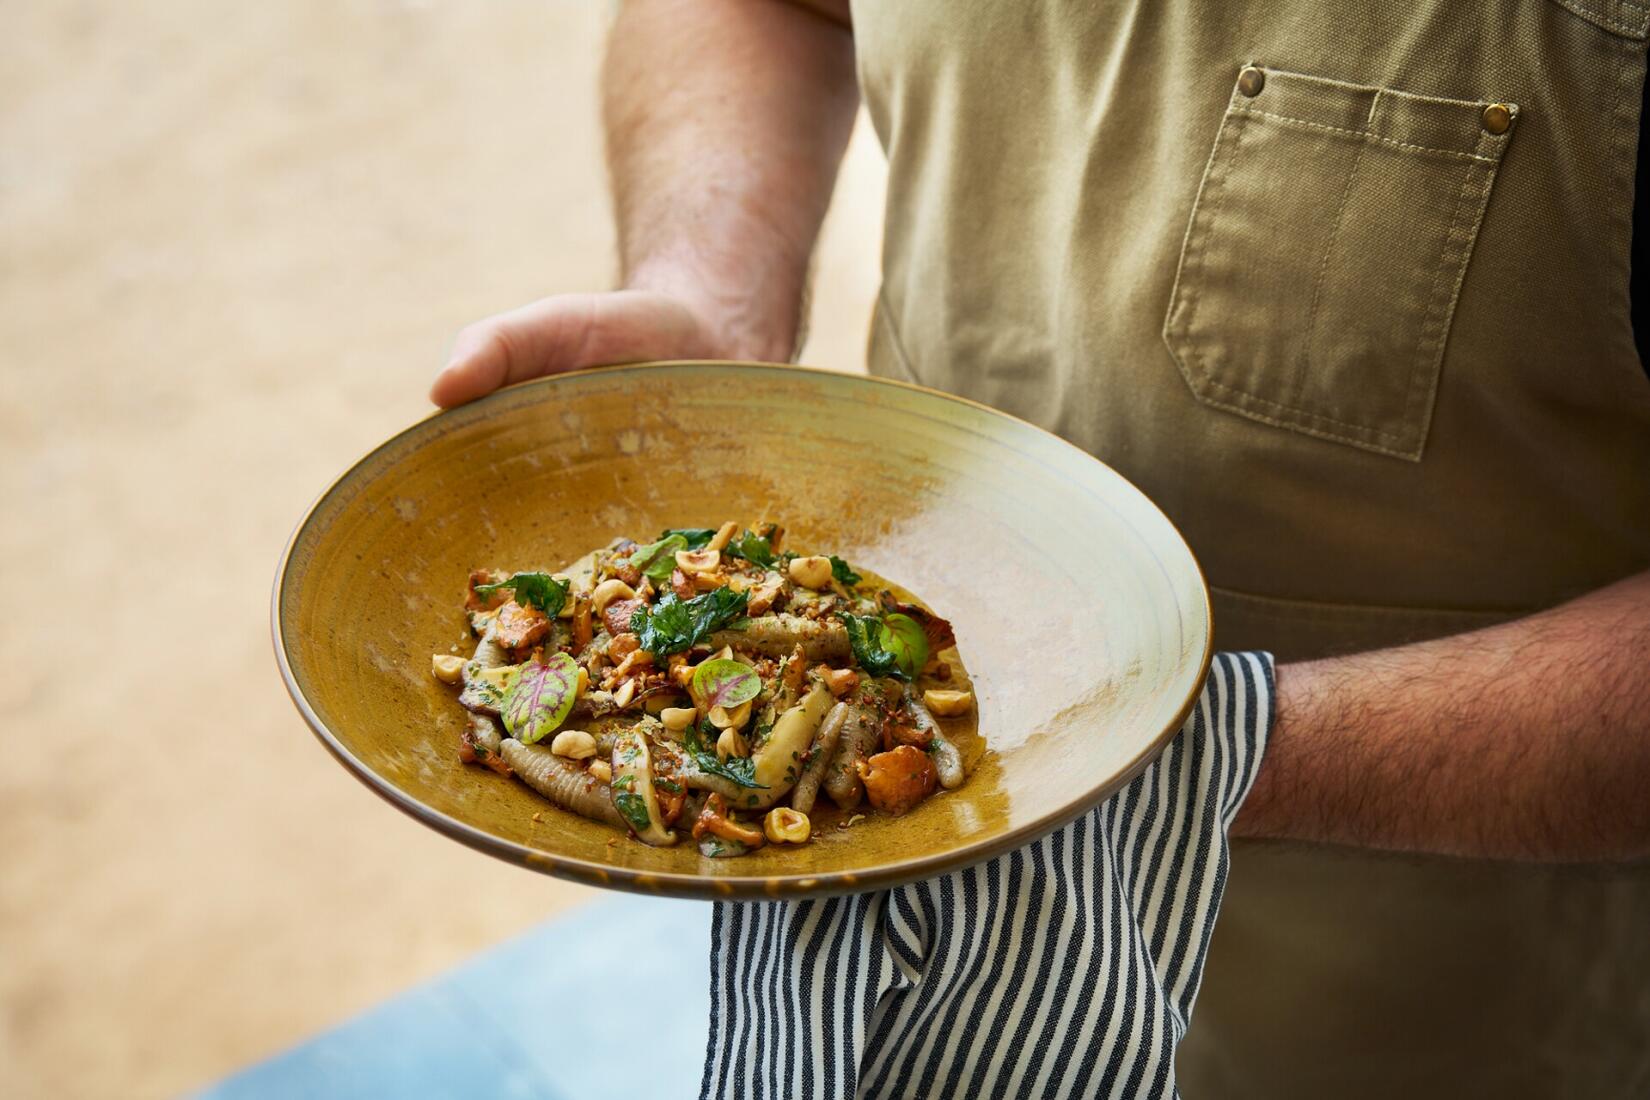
[1344, 287]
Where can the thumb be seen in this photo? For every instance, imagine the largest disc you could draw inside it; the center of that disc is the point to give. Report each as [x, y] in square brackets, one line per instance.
[566, 332]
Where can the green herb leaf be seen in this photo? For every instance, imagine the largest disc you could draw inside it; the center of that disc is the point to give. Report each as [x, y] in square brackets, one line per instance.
[658, 559]
[539, 590]
[724, 682]
[753, 548]
[695, 537]
[540, 698]
[633, 808]
[843, 572]
[939, 632]
[905, 638]
[673, 625]
[868, 639]
[738, 770]
[668, 785]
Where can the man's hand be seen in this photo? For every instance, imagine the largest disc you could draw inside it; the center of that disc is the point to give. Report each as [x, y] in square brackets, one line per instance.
[570, 331]
[1001, 979]
[725, 121]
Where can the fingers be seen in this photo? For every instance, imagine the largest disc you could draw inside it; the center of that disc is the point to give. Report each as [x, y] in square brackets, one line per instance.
[567, 332]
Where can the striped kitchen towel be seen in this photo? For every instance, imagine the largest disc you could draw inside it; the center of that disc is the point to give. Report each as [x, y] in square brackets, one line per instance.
[1065, 968]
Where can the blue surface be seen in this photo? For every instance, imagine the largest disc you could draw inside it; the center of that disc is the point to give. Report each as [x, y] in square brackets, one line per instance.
[611, 1000]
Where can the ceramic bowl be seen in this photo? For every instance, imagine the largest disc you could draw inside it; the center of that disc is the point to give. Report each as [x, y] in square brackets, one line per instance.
[1081, 616]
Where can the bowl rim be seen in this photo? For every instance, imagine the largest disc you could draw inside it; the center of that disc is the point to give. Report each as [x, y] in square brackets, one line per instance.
[720, 887]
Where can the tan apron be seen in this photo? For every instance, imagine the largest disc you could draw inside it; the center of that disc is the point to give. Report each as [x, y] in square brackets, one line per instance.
[1358, 321]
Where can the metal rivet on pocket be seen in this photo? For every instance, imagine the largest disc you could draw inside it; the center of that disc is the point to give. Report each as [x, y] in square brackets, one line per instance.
[1251, 80]
[1497, 117]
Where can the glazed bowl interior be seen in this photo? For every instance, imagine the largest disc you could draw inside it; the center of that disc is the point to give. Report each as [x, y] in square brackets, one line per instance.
[1081, 616]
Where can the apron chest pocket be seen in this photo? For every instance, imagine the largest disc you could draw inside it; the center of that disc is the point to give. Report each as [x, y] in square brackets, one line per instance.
[1325, 252]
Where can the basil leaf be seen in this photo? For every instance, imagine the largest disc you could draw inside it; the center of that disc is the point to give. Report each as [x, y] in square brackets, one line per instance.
[539, 590]
[724, 682]
[673, 625]
[753, 548]
[867, 638]
[738, 770]
[540, 698]
[843, 572]
[905, 638]
[633, 808]
[696, 537]
[656, 560]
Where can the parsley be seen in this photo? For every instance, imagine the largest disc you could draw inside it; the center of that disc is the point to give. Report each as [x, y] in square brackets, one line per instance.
[695, 537]
[539, 590]
[624, 782]
[633, 808]
[843, 572]
[754, 548]
[869, 640]
[674, 625]
[668, 785]
[738, 770]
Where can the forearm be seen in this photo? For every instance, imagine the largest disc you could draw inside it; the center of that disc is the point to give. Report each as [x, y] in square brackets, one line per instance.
[1529, 740]
[726, 120]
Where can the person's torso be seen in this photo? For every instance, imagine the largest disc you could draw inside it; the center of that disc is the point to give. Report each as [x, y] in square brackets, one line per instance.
[1358, 321]
[1374, 359]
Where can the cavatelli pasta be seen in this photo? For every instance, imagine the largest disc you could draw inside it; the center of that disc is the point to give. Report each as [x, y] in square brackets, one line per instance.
[718, 682]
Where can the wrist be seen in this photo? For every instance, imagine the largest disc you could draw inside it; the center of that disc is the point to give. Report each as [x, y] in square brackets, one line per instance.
[1262, 814]
[740, 320]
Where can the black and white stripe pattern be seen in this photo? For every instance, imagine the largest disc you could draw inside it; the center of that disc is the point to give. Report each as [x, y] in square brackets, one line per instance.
[1065, 968]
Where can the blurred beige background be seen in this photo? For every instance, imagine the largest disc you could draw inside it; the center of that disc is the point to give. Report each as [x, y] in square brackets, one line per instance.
[234, 243]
